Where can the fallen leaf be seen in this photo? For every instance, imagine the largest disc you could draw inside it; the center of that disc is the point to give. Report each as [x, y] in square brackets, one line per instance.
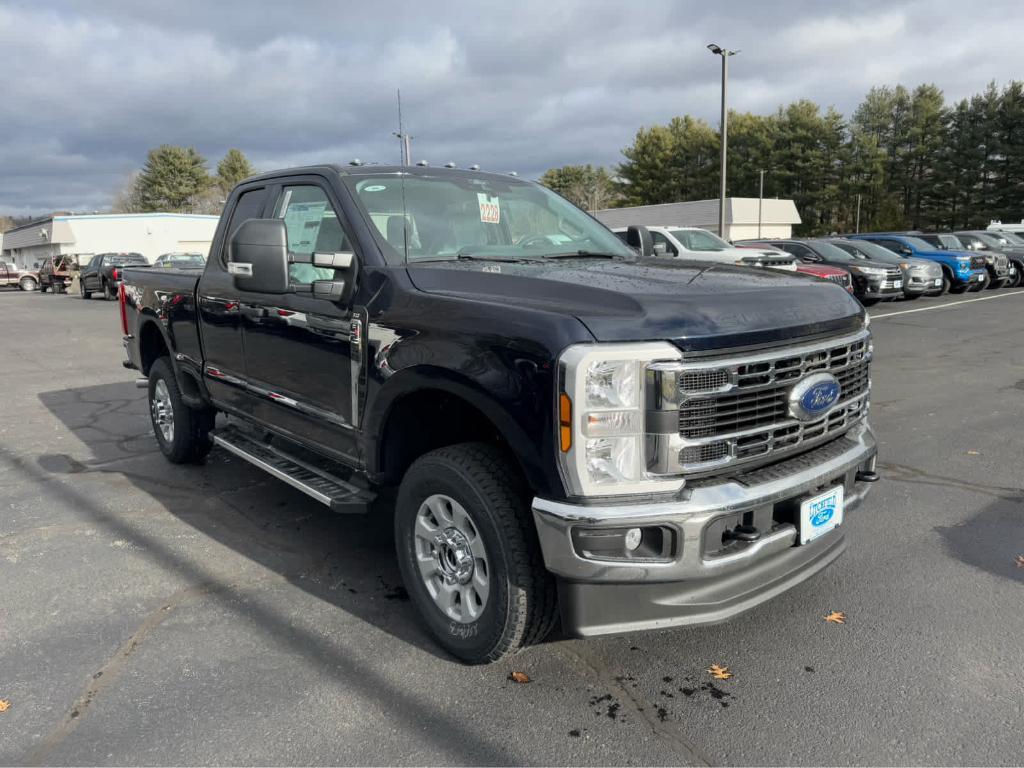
[4, 705]
[836, 617]
[719, 673]
[1020, 561]
[519, 677]
[974, 453]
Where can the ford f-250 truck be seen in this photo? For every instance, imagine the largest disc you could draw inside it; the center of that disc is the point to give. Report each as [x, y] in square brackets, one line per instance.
[575, 430]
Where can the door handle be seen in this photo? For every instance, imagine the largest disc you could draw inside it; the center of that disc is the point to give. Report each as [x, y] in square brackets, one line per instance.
[252, 312]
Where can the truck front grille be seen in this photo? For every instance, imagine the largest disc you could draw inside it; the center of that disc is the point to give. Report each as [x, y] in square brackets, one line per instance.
[843, 279]
[977, 262]
[737, 409]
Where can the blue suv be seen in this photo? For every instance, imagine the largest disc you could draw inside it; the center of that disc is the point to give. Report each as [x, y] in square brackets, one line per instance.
[961, 270]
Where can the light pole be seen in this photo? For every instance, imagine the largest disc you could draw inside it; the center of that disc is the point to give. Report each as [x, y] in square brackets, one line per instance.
[725, 53]
[760, 200]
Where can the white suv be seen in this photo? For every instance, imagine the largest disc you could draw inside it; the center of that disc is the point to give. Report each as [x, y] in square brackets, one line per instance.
[695, 244]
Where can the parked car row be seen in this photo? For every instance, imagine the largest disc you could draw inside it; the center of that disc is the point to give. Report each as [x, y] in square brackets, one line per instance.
[100, 273]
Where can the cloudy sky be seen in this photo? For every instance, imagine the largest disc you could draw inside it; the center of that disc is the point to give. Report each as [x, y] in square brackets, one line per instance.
[88, 88]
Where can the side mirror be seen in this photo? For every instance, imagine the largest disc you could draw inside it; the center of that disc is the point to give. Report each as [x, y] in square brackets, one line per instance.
[660, 249]
[906, 251]
[640, 238]
[258, 256]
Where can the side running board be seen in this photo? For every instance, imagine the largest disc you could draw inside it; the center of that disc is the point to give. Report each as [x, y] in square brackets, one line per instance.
[313, 481]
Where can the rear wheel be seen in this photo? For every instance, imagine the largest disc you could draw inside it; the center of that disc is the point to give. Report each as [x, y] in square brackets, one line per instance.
[81, 289]
[183, 433]
[28, 283]
[108, 293]
[469, 554]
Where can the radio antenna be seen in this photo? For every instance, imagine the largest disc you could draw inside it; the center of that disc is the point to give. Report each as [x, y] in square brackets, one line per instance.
[403, 137]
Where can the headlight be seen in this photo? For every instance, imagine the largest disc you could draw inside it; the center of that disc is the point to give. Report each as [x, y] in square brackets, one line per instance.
[873, 271]
[601, 418]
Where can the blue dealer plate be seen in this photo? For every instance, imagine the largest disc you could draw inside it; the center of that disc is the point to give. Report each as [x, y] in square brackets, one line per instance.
[820, 514]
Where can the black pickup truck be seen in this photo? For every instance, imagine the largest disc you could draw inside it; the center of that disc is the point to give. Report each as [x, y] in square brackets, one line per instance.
[104, 271]
[573, 430]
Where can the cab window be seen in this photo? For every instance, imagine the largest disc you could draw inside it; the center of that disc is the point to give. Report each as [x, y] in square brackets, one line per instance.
[670, 249]
[313, 227]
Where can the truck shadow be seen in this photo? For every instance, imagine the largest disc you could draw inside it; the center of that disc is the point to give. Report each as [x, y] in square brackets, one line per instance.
[344, 560]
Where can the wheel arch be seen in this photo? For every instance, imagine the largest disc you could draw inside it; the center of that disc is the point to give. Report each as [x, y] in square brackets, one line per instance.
[447, 408]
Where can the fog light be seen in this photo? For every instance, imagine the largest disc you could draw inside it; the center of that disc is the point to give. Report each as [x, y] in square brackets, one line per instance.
[633, 537]
[652, 543]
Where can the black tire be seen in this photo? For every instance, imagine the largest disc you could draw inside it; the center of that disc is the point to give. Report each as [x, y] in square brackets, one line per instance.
[911, 296]
[42, 287]
[28, 284]
[81, 289]
[996, 284]
[869, 302]
[108, 293]
[959, 288]
[979, 287]
[189, 439]
[521, 604]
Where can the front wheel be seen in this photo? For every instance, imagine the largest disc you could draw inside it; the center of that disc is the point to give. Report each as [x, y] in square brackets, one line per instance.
[469, 554]
[959, 287]
[183, 433]
[869, 302]
[28, 284]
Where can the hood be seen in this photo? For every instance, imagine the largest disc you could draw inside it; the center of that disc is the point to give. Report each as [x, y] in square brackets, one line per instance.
[697, 306]
[820, 270]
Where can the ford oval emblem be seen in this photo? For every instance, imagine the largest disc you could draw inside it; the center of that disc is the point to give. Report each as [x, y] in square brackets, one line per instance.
[814, 396]
[822, 517]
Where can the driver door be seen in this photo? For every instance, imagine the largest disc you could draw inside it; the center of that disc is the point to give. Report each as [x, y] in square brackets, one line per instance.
[298, 349]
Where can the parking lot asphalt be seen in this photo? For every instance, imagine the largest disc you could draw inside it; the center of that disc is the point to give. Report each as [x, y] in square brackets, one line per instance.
[158, 614]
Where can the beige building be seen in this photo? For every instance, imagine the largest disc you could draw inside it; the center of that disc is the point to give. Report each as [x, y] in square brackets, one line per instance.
[150, 234]
[744, 217]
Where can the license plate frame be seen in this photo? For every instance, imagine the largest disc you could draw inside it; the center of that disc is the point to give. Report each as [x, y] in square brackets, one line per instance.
[821, 513]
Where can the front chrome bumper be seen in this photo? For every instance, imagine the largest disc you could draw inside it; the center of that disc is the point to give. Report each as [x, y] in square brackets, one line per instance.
[601, 596]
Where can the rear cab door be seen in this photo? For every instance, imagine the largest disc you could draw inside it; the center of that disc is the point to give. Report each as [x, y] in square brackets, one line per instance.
[219, 307]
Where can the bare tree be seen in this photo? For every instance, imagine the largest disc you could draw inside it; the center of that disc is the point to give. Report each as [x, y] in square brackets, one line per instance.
[128, 198]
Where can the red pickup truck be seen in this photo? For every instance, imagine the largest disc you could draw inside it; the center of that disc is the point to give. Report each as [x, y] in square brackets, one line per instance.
[24, 279]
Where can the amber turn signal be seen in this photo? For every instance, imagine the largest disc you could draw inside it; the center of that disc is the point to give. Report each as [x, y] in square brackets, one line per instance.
[564, 422]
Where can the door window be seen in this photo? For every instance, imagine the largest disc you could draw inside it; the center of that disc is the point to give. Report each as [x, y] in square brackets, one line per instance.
[670, 249]
[249, 206]
[313, 227]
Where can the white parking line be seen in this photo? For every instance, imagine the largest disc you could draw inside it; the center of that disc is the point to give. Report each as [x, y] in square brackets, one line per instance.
[947, 306]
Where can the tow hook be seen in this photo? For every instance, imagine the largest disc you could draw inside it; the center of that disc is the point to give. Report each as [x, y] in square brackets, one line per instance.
[868, 476]
[747, 533]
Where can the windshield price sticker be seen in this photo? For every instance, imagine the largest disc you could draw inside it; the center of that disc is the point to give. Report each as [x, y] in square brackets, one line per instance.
[490, 210]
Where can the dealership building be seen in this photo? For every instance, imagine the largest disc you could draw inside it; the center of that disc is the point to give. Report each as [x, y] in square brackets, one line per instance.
[150, 234]
[745, 217]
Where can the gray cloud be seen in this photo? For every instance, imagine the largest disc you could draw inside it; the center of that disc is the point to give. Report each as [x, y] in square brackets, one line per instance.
[523, 86]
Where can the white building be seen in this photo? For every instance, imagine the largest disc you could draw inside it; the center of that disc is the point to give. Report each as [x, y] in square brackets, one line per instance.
[742, 216]
[150, 234]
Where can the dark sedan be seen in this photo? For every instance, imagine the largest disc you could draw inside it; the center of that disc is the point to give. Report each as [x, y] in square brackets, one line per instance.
[873, 281]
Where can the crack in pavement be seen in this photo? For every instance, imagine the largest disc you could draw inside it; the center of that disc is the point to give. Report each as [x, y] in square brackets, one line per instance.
[914, 476]
[109, 672]
[646, 711]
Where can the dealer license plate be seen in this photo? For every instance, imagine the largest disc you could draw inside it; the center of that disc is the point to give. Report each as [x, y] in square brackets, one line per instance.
[938, 281]
[979, 278]
[820, 514]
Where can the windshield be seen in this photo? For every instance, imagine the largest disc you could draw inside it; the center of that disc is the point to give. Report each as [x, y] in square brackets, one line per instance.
[992, 241]
[830, 252]
[1011, 238]
[918, 244]
[862, 249]
[699, 240]
[951, 242]
[423, 218]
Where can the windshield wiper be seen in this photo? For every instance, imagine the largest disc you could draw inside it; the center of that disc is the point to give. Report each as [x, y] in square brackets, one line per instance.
[583, 255]
[460, 256]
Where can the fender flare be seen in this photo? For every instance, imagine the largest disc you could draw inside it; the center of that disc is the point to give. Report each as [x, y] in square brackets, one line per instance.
[417, 378]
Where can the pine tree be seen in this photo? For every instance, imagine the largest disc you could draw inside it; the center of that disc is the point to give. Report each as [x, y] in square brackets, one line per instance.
[172, 179]
[232, 169]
